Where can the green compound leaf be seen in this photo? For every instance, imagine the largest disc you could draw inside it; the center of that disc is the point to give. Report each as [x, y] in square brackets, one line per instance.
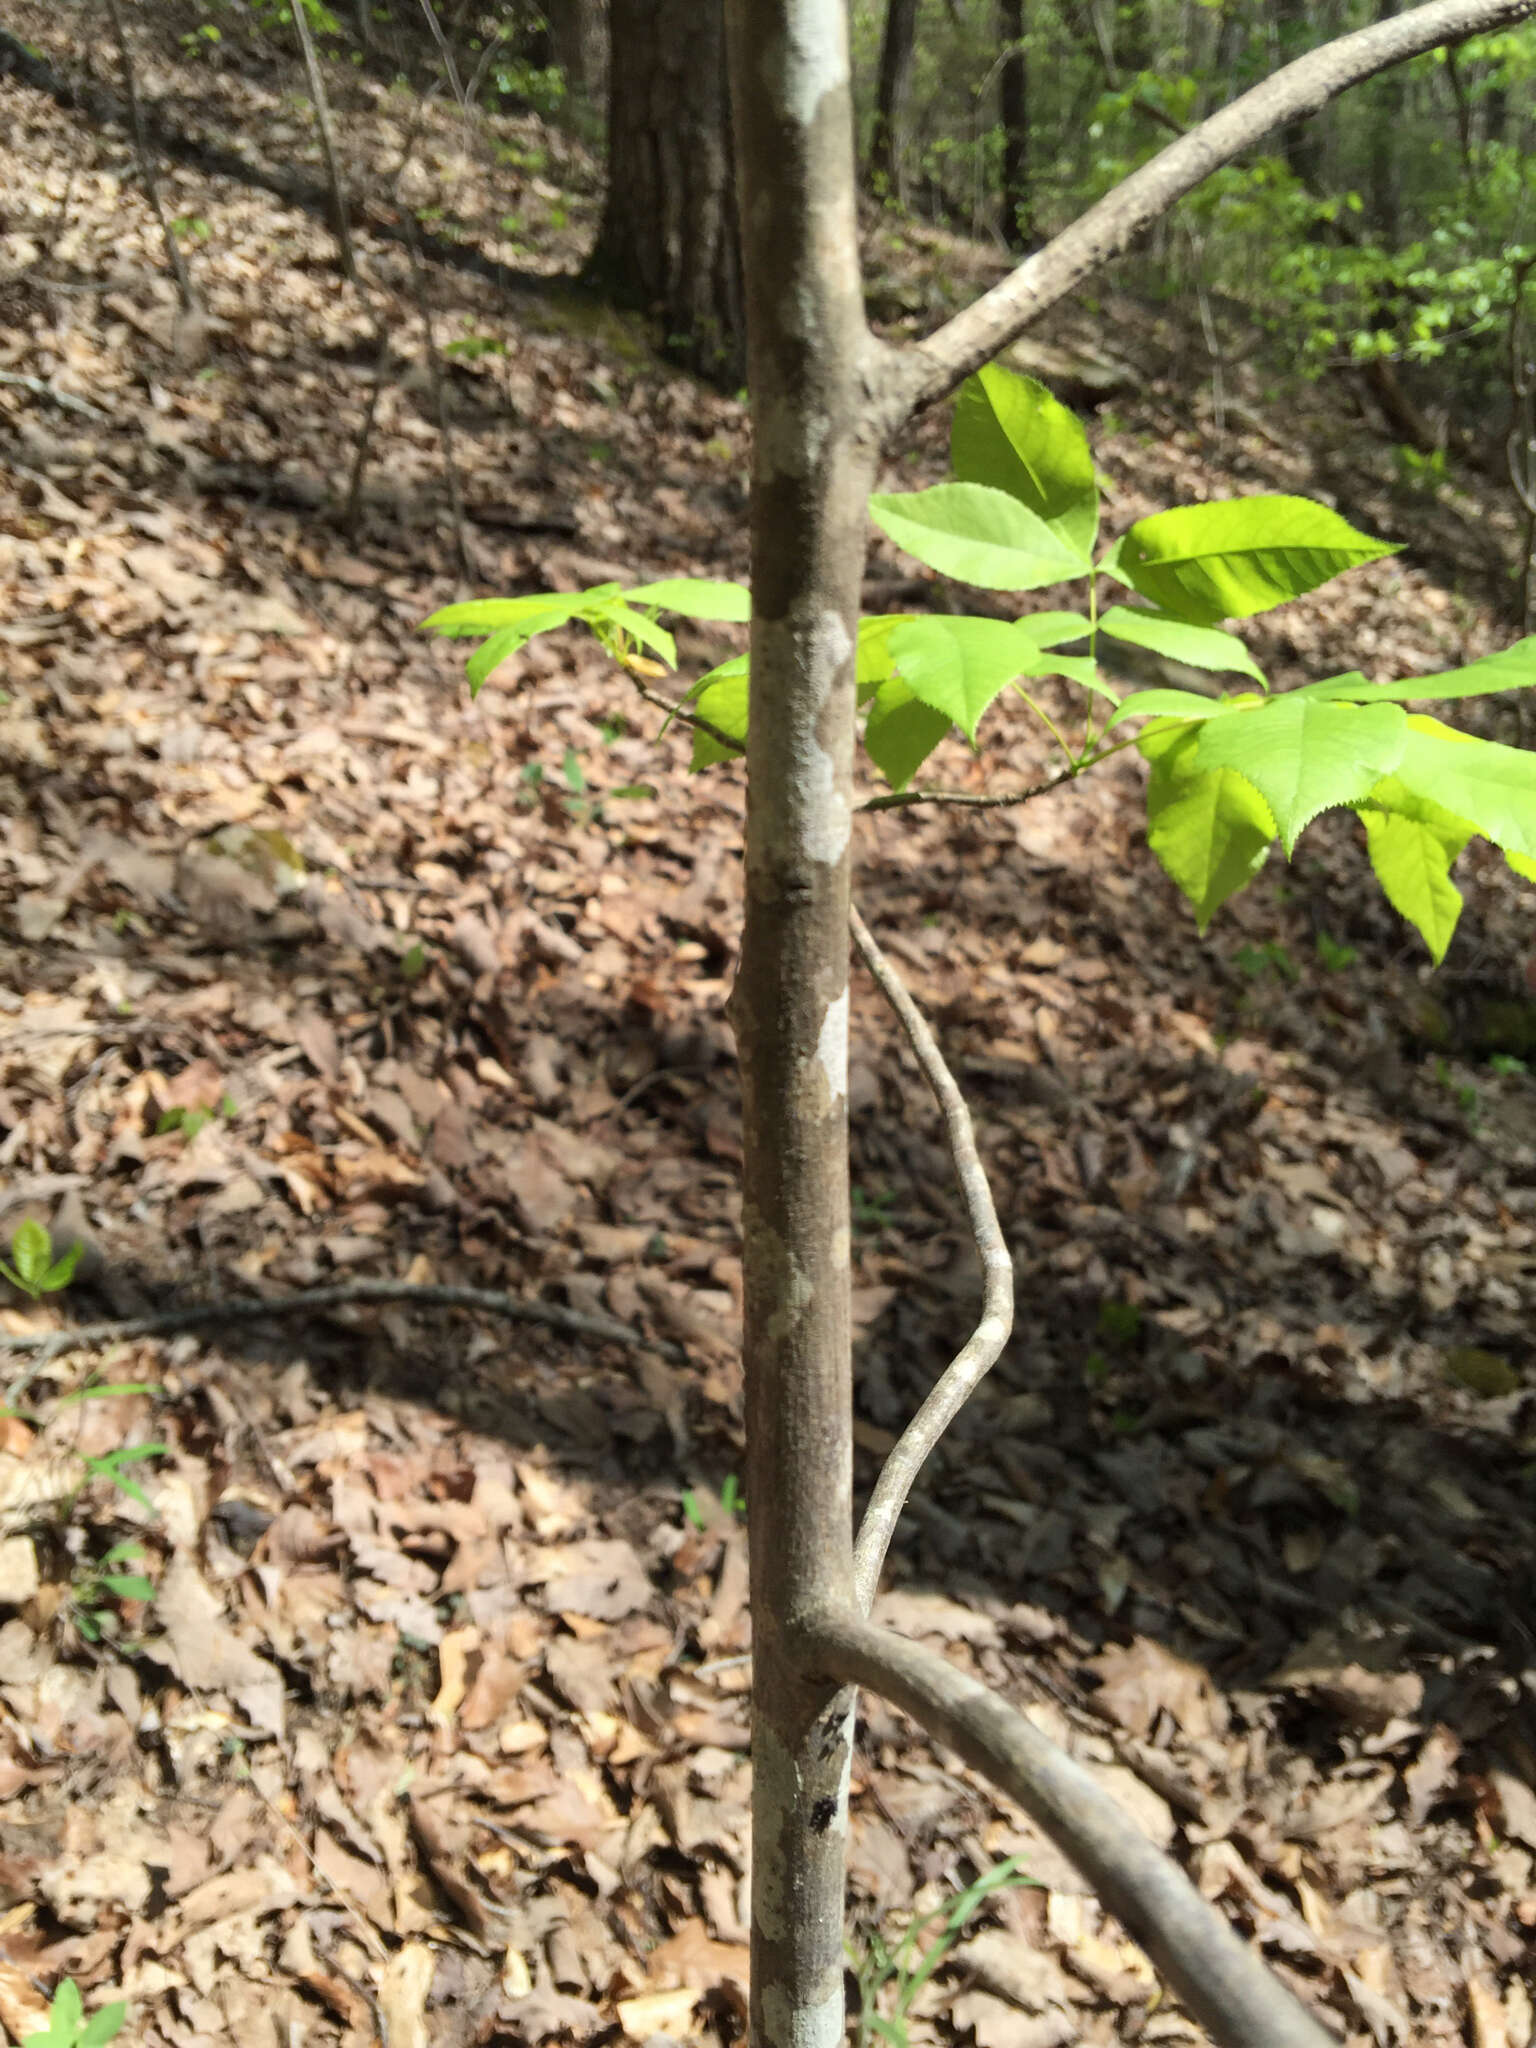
[493, 614]
[1054, 629]
[1198, 646]
[1493, 787]
[1010, 433]
[1412, 843]
[1181, 704]
[1304, 754]
[958, 665]
[721, 697]
[1210, 828]
[901, 731]
[696, 598]
[979, 535]
[639, 626]
[1512, 669]
[1523, 865]
[1239, 556]
[872, 659]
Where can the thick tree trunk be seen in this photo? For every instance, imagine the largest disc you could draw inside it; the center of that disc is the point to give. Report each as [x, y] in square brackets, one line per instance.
[898, 46]
[1013, 109]
[669, 241]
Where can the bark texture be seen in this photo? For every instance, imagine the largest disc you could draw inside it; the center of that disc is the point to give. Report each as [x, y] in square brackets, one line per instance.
[813, 462]
[669, 241]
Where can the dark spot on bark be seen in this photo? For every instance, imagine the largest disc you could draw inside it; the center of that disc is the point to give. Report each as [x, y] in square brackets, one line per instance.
[822, 1815]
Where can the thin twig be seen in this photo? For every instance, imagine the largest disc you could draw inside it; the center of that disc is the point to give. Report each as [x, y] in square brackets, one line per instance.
[65, 400]
[352, 516]
[446, 52]
[328, 150]
[439, 384]
[976, 800]
[965, 1372]
[316, 1300]
[1221, 1979]
[680, 714]
[173, 253]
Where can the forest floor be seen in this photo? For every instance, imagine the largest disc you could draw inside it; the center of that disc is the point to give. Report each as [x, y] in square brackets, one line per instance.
[312, 970]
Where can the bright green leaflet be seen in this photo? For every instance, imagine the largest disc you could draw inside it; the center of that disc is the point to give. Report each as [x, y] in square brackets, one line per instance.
[958, 665]
[901, 731]
[1304, 755]
[1239, 556]
[1178, 704]
[1054, 629]
[1494, 786]
[1510, 669]
[696, 599]
[979, 535]
[1198, 646]
[1412, 843]
[1210, 828]
[1009, 432]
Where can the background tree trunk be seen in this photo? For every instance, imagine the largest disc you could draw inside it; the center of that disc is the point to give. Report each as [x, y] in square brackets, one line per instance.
[1013, 109]
[578, 42]
[897, 48]
[669, 241]
[1386, 123]
[1301, 141]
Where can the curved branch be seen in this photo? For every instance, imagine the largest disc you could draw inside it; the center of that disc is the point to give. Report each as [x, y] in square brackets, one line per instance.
[1220, 1978]
[965, 1373]
[908, 378]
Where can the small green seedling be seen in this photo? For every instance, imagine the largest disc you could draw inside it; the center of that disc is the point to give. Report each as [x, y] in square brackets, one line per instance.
[871, 1207]
[1462, 1093]
[190, 1121]
[33, 1268]
[733, 1502]
[1119, 1322]
[1252, 961]
[1334, 954]
[909, 1965]
[110, 1465]
[99, 1582]
[68, 2026]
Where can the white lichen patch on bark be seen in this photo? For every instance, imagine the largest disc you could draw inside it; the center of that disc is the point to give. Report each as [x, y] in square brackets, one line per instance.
[832, 1049]
[790, 445]
[814, 60]
[824, 814]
